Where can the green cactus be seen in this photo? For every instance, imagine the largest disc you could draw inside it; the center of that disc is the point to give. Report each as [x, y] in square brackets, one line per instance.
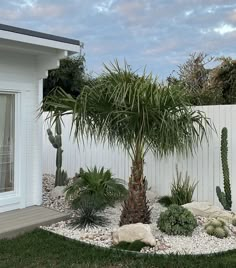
[61, 175]
[217, 227]
[219, 232]
[234, 220]
[210, 230]
[216, 223]
[225, 197]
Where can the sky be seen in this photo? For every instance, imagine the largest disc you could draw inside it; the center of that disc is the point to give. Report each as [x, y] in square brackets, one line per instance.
[157, 35]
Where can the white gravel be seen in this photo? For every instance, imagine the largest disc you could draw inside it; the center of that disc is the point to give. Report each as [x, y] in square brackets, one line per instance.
[198, 243]
[49, 201]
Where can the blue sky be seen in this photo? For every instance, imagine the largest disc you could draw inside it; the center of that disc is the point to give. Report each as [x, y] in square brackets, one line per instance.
[158, 34]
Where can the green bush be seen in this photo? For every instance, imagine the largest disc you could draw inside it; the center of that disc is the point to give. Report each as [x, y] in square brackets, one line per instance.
[181, 191]
[137, 245]
[98, 184]
[165, 200]
[177, 220]
[89, 214]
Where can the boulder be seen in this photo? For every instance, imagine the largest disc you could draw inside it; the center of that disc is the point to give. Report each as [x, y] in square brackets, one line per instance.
[132, 232]
[57, 192]
[208, 210]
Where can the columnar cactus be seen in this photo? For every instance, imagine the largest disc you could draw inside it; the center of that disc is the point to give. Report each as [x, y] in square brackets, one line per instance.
[217, 227]
[225, 197]
[61, 175]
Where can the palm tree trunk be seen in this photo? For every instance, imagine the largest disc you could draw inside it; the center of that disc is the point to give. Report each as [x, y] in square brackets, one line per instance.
[135, 208]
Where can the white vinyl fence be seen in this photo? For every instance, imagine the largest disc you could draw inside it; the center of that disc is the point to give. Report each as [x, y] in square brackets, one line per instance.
[204, 166]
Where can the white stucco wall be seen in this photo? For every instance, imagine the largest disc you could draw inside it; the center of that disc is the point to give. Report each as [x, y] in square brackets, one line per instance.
[18, 73]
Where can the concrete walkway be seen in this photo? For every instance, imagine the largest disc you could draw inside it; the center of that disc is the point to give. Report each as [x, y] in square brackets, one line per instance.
[15, 222]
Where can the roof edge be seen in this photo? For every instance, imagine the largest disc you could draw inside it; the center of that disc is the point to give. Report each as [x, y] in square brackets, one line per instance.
[23, 31]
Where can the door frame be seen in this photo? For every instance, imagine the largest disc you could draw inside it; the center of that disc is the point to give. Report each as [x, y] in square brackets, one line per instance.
[15, 198]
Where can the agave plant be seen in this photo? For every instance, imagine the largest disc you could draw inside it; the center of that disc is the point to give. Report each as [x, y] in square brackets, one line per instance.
[89, 213]
[98, 184]
[135, 112]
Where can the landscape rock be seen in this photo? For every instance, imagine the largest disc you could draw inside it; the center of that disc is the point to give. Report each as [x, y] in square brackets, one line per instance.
[208, 210]
[199, 243]
[58, 192]
[132, 232]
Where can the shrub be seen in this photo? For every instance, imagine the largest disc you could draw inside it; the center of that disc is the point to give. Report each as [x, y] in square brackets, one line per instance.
[96, 183]
[217, 228]
[165, 200]
[134, 246]
[177, 220]
[181, 191]
[89, 214]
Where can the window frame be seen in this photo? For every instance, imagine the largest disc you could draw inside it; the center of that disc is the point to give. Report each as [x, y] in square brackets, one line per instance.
[14, 196]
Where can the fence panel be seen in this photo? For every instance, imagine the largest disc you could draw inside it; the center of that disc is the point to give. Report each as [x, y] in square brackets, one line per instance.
[204, 166]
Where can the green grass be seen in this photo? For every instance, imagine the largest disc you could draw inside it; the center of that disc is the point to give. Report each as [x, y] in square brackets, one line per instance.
[43, 249]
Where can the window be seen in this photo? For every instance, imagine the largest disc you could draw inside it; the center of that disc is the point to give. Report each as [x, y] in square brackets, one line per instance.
[7, 139]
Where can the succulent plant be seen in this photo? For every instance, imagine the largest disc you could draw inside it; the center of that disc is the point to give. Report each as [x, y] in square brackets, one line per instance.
[234, 220]
[210, 230]
[61, 175]
[225, 197]
[217, 227]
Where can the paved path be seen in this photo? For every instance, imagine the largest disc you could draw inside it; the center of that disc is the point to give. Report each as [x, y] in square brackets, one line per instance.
[15, 222]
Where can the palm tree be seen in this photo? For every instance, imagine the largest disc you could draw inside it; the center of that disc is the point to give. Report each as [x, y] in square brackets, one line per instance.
[140, 115]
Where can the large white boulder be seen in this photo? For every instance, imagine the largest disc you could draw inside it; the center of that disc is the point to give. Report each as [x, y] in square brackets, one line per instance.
[208, 210]
[132, 232]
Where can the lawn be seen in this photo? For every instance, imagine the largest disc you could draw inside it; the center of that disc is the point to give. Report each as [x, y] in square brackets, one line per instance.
[43, 249]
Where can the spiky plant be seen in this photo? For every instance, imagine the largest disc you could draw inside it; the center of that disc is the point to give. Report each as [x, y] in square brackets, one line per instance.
[225, 197]
[98, 184]
[89, 214]
[135, 112]
[182, 189]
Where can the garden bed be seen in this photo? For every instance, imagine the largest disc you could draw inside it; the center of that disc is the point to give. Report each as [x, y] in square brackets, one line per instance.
[198, 243]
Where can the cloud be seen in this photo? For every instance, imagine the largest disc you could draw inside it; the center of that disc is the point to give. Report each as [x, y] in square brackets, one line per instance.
[157, 34]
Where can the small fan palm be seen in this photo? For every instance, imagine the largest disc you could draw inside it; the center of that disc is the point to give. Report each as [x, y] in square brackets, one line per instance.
[98, 184]
[137, 113]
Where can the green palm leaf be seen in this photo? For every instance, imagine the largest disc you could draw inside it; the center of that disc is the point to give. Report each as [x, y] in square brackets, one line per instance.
[135, 112]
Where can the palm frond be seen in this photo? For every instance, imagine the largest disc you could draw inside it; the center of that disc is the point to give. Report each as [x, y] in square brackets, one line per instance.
[99, 184]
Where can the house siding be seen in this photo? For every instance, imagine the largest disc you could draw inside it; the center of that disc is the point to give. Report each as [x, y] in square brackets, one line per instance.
[18, 73]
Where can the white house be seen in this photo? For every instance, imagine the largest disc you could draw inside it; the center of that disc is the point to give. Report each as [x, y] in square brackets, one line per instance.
[25, 58]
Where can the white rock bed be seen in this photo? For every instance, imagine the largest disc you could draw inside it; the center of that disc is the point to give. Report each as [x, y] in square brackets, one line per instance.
[198, 243]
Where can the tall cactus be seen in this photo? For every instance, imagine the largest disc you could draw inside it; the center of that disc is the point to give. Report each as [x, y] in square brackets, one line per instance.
[61, 175]
[225, 197]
